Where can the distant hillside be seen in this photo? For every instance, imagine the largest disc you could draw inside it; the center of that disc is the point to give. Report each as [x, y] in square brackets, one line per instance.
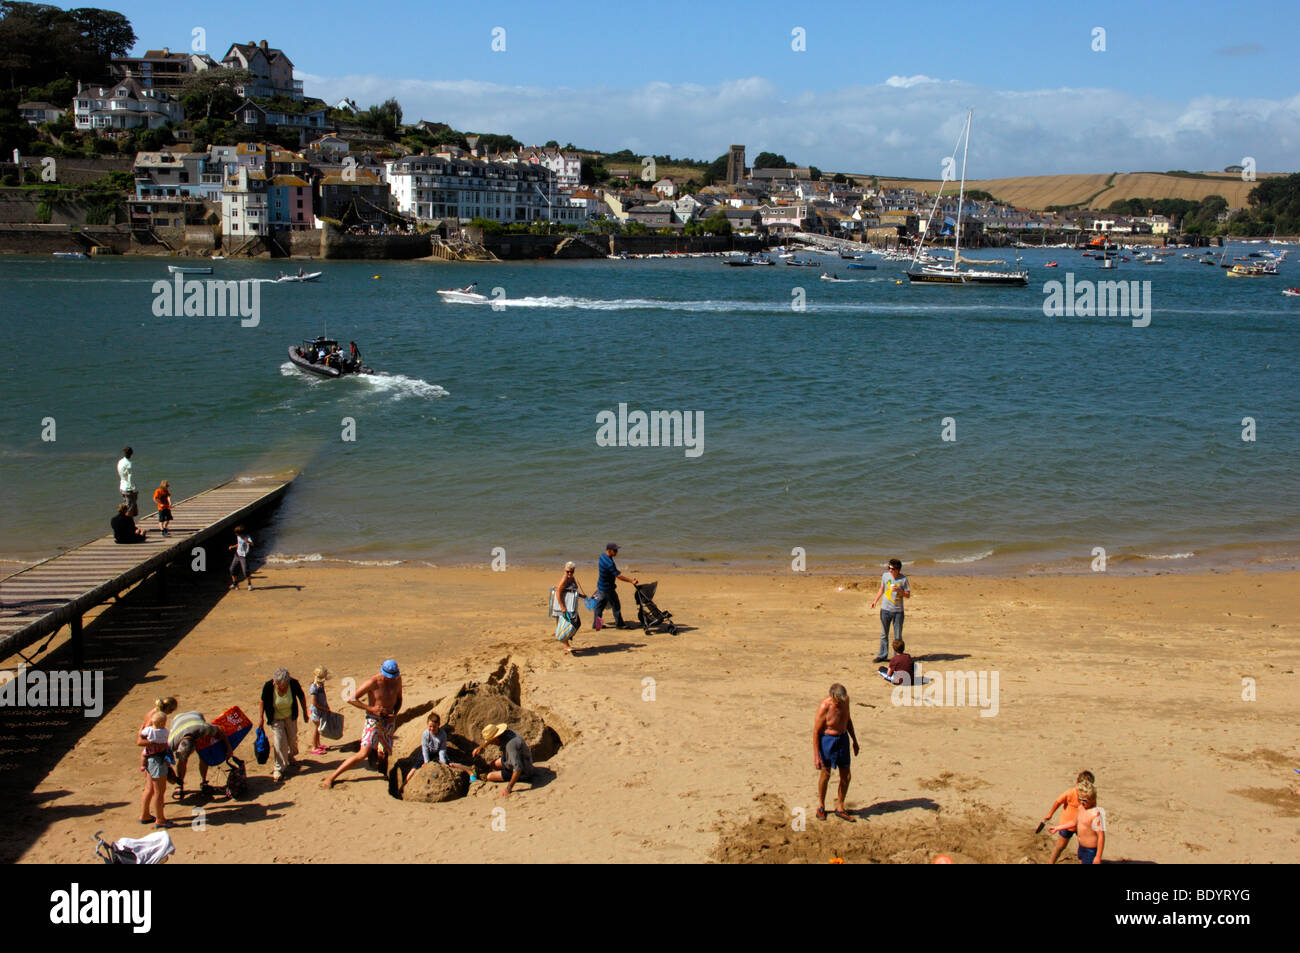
[1097, 190]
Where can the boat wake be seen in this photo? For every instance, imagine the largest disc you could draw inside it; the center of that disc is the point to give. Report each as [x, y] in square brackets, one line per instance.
[399, 386]
[396, 386]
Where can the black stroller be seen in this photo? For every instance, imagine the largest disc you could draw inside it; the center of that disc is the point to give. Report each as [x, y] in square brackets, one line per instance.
[649, 615]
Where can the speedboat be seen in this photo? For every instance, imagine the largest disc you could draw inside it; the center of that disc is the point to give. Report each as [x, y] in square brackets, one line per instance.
[301, 276]
[463, 295]
[1291, 292]
[71, 255]
[189, 270]
[1051, 264]
[324, 357]
[828, 277]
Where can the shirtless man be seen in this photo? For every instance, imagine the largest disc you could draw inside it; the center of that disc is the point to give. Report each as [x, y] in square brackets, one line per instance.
[384, 692]
[832, 731]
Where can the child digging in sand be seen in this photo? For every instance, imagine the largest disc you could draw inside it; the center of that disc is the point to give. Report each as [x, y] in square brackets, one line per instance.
[318, 707]
[1089, 823]
[1070, 801]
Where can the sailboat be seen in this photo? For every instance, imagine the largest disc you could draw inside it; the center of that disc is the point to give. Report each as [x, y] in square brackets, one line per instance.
[951, 273]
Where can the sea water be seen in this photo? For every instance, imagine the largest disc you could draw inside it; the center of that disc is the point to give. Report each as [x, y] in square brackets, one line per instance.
[840, 423]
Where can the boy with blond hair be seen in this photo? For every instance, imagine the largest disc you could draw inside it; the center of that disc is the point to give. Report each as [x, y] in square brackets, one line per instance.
[1070, 801]
[1089, 824]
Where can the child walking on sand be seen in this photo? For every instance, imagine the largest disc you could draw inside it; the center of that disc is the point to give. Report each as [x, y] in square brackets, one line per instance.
[1089, 824]
[1070, 801]
[243, 543]
[319, 706]
[153, 739]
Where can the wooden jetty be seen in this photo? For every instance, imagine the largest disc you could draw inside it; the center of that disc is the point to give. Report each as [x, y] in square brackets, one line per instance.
[58, 591]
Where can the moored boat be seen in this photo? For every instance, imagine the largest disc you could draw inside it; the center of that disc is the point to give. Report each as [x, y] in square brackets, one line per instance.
[189, 270]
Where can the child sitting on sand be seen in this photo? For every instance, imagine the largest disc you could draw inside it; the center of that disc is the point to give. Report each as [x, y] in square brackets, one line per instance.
[901, 669]
[1089, 824]
[319, 705]
[1070, 801]
[433, 750]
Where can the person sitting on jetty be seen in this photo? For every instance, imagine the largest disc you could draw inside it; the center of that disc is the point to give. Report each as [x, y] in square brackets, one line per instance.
[516, 761]
[124, 528]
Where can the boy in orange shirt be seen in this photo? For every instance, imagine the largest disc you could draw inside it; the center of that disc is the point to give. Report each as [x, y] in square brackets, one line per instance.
[163, 497]
[1090, 825]
[1070, 801]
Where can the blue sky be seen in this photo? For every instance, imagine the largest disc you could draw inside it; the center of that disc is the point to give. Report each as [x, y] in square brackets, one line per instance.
[878, 87]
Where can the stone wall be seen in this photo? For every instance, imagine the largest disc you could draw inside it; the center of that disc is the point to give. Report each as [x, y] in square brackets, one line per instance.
[338, 244]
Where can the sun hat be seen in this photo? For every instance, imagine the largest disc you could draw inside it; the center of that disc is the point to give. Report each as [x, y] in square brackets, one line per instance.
[390, 669]
[491, 732]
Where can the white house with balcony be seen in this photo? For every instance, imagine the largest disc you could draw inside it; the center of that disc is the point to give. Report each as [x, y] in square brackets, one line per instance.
[126, 105]
[445, 187]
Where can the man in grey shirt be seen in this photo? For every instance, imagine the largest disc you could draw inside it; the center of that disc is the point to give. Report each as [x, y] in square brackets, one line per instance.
[516, 761]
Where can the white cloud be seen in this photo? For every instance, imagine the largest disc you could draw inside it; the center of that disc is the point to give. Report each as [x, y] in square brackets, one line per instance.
[899, 128]
[907, 82]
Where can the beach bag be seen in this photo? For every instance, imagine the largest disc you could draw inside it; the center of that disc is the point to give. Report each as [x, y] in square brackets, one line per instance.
[261, 747]
[566, 626]
[591, 603]
[331, 725]
[234, 724]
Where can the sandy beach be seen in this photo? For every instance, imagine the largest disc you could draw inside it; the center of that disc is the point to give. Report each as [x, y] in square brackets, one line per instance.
[696, 747]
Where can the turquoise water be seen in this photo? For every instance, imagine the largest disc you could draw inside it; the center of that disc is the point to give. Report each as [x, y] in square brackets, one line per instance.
[822, 427]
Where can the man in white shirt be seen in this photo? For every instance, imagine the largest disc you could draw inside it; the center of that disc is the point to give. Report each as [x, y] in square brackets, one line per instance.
[126, 483]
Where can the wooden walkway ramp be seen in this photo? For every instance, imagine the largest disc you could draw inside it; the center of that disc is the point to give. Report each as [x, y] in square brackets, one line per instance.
[36, 602]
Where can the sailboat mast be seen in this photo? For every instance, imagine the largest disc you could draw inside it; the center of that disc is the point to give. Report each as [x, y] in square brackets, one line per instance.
[961, 196]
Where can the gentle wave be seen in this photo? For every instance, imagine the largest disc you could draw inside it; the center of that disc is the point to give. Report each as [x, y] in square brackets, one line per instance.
[972, 558]
[288, 560]
[304, 558]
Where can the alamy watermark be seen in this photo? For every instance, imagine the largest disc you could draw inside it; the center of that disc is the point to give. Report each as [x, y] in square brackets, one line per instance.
[1103, 299]
[34, 688]
[658, 428]
[952, 689]
[193, 298]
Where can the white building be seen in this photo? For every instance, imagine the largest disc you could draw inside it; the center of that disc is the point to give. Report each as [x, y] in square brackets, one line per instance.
[567, 166]
[126, 105]
[243, 203]
[442, 186]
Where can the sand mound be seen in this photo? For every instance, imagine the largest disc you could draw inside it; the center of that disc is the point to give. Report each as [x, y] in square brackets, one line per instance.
[466, 709]
[899, 832]
[435, 783]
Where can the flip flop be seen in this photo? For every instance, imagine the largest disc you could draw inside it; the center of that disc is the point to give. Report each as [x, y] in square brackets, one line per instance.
[177, 793]
[821, 813]
[845, 816]
[146, 820]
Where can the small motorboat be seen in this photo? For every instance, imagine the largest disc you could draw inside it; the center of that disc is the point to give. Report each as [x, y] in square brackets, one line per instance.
[861, 267]
[1052, 264]
[829, 277]
[803, 263]
[189, 270]
[466, 295]
[324, 357]
[71, 255]
[301, 276]
[1291, 292]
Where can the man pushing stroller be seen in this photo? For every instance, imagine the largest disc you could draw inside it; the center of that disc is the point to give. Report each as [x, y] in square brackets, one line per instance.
[606, 589]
